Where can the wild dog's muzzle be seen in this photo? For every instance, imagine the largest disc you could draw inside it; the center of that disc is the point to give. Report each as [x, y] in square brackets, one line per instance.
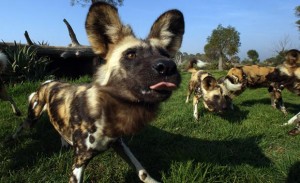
[160, 81]
[166, 68]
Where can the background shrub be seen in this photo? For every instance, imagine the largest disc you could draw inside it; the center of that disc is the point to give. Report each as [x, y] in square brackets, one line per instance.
[25, 65]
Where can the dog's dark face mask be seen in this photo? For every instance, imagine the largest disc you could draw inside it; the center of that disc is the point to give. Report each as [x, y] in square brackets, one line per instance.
[146, 74]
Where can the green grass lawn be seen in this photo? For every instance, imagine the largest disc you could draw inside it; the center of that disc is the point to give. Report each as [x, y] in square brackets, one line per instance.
[244, 145]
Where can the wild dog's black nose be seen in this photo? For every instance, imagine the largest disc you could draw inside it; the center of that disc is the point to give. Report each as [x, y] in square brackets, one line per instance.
[165, 67]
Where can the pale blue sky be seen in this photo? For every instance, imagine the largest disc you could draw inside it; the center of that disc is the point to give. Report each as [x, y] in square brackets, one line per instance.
[262, 23]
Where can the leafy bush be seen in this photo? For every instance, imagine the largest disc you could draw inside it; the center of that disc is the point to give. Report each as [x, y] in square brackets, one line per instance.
[25, 65]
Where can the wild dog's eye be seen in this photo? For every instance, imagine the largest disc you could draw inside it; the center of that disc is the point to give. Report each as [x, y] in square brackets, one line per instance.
[131, 55]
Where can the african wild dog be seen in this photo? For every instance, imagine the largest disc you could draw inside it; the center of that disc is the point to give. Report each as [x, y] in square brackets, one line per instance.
[3, 92]
[203, 85]
[126, 91]
[288, 75]
[255, 76]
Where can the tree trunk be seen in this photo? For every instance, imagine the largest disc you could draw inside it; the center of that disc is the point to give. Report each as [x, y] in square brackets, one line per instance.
[220, 66]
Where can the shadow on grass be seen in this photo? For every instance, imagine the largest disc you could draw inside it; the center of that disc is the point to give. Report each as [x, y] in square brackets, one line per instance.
[157, 149]
[31, 145]
[235, 115]
[266, 101]
[291, 108]
[293, 175]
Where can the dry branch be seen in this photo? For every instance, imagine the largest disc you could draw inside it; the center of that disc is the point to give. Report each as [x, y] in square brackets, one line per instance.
[74, 41]
[29, 42]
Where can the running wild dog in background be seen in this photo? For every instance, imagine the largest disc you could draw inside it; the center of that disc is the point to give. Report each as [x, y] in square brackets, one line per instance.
[3, 92]
[254, 76]
[288, 75]
[203, 85]
[126, 91]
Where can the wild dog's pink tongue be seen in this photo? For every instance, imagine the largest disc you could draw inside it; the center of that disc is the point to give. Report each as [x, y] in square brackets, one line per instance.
[163, 86]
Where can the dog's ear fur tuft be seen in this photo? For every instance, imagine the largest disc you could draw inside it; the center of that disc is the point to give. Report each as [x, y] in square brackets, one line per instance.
[168, 31]
[209, 83]
[104, 27]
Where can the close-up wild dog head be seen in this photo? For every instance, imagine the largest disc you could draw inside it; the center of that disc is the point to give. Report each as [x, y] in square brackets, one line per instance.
[126, 91]
[142, 70]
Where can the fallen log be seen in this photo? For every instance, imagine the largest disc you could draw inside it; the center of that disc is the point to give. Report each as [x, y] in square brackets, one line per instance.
[56, 51]
[72, 60]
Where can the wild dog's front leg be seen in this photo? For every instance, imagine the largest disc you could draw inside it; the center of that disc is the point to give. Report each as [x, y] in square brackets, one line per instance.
[195, 107]
[272, 95]
[188, 95]
[35, 108]
[14, 107]
[120, 147]
[295, 119]
[5, 97]
[281, 106]
[82, 158]
[276, 100]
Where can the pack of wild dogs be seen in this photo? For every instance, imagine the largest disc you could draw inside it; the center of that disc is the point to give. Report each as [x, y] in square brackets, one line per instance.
[217, 94]
[138, 74]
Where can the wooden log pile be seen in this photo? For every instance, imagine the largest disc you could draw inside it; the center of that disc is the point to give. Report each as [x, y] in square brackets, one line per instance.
[73, 60]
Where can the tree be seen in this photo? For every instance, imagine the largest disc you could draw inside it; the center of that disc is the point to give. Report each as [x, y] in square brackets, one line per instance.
[223, 42]
[297, 13]
[235, 59]
[283, 45]
[253, 55]
[88, 2]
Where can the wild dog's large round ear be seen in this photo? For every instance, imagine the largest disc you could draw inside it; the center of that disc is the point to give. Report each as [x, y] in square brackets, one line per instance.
[104, 27]
[209, 83]
[167, 31]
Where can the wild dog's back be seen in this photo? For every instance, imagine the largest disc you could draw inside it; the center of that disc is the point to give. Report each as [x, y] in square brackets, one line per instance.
[56, 98]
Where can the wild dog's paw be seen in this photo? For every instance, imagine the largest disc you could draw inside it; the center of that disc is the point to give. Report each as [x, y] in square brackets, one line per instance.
[295, 131]
[64, 143]
[145, 177]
